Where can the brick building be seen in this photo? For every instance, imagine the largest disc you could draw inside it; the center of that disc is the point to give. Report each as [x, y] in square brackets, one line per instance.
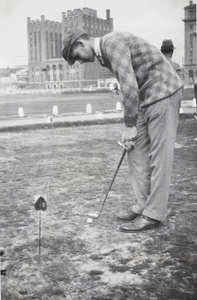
[47, 68]
[190, 61]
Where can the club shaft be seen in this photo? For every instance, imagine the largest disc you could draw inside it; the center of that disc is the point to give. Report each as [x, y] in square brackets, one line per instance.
[119, 164]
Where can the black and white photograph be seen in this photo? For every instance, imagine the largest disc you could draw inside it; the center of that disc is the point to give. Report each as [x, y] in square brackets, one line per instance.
[98, 150]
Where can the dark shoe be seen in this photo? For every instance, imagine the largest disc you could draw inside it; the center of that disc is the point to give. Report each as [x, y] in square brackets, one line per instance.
[142, 223]
[128, 217]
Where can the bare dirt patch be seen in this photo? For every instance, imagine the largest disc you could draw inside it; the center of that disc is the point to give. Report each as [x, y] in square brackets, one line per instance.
[73, 167]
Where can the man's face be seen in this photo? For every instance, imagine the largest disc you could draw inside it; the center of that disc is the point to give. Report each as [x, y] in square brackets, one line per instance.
[82, 53]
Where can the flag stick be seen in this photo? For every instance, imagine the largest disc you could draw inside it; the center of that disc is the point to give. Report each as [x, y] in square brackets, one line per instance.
[40, 233]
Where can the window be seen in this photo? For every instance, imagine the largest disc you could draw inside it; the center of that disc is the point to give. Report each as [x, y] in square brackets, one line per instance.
[60, 72]
[56, 45]
[47, 45]
[60, 43]
[191, 41]
[54, 73]
[191, 14]
[48, 74]
[191, 74]
[35, 45]
[40, 46]
[51, 36]
[71, 22]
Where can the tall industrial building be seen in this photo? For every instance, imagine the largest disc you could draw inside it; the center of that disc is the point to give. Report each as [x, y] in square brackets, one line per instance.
[47, 68]
[190, 62]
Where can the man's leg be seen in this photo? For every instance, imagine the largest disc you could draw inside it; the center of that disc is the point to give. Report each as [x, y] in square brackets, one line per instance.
[139, 169]
[162, 120]
[162, 128]
[150, 162]
[139, 165]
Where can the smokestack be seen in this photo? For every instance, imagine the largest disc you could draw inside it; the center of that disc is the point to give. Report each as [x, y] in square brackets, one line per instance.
[108, 14]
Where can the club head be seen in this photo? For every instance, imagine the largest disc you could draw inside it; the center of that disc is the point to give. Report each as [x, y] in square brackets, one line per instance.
[93, 216]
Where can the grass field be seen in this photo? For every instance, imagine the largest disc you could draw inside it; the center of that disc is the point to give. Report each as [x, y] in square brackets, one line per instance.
[42, 105]
[80, 261]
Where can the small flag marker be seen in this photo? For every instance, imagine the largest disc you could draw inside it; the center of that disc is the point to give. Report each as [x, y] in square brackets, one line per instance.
[40, 204]
[50, 119]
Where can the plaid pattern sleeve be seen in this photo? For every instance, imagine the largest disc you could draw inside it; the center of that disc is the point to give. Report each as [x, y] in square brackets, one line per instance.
[142, 71]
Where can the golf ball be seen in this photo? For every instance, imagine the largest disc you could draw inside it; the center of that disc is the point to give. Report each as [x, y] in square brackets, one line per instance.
[89, 220]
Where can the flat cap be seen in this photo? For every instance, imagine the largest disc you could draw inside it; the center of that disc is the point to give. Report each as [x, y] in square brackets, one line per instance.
[70, 38]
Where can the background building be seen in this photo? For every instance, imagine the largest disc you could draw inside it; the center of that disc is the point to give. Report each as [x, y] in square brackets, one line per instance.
[13, 79]
[190, 61]
[47, 68]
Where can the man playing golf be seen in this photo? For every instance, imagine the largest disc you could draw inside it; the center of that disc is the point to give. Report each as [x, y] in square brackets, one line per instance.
[152, 93]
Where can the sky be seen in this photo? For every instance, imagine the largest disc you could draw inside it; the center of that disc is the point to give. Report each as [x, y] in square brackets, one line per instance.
[153, 20]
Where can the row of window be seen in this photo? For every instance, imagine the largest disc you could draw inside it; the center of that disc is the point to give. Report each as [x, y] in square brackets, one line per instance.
[75, 66]
[47, 69]
[53, 44]
[54, 77]
[100, 25]
[49, 77]
[96, 25]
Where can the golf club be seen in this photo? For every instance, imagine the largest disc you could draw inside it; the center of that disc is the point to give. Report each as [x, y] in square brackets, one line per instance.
[96, 216]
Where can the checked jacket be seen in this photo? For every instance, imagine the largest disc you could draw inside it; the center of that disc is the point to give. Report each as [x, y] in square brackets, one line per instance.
[145, 76]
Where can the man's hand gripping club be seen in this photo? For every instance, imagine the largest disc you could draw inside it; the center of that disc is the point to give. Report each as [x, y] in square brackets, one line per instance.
[129, 137]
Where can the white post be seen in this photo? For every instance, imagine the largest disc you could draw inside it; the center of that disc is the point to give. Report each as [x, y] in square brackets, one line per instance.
[181, 110]
[55, 110]
[20, 112]
[194, 102]
[118, 106]
[88, 108]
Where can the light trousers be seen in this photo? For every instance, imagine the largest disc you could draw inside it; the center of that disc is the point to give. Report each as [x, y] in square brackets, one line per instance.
[150, 162]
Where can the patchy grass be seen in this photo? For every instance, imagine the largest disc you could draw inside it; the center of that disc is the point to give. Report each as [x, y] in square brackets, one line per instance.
[74, 167]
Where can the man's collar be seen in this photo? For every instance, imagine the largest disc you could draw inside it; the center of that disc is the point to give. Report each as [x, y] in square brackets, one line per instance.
[97, 48]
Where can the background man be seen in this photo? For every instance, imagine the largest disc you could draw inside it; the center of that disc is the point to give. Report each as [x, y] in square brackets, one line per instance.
[167, 48]
[152, 93]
